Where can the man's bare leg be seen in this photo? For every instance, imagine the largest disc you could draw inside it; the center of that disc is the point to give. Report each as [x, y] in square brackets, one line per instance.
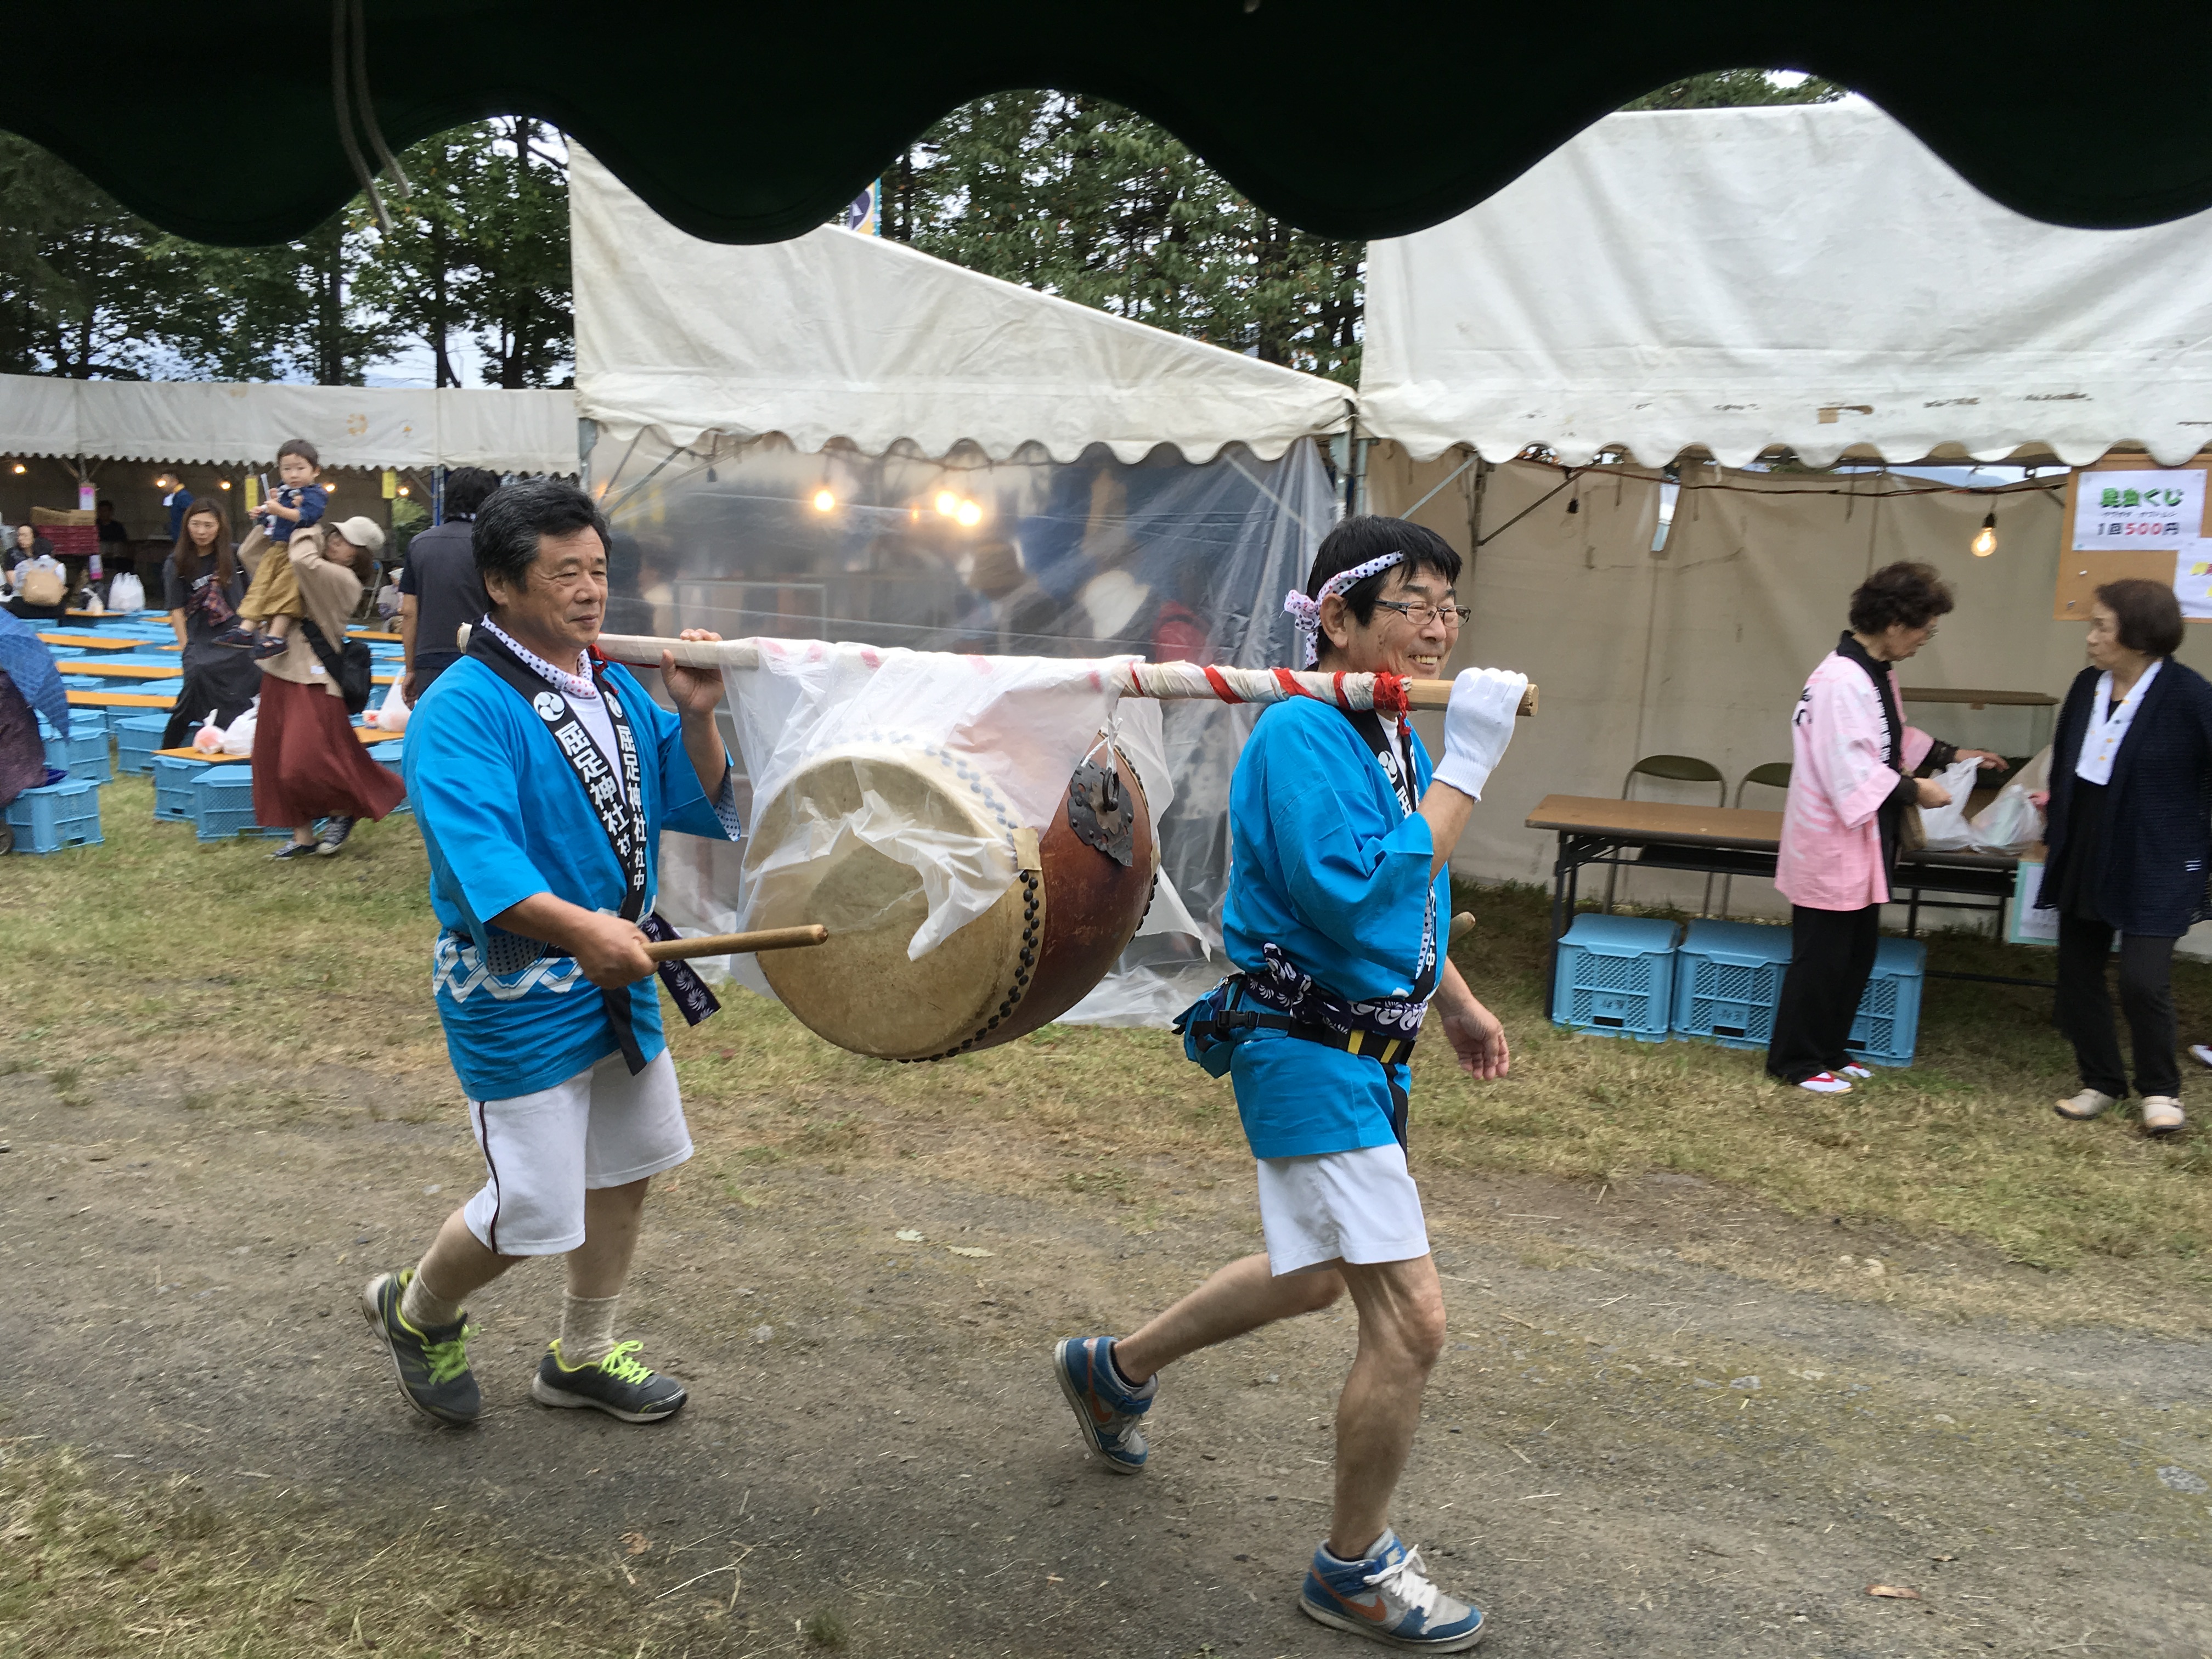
[1242, 1297]
[1401, 1333]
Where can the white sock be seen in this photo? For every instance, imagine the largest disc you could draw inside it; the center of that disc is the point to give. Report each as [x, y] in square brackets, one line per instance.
[425, 1310]
[588, 1328]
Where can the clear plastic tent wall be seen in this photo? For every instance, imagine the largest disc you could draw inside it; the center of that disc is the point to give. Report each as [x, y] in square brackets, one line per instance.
[1028, 557]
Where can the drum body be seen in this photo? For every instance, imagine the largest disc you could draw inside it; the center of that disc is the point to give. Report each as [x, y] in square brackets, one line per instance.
[1069, 909]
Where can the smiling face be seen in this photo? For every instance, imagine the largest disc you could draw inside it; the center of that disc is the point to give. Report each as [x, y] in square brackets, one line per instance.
[1393, 642]
[561, 601]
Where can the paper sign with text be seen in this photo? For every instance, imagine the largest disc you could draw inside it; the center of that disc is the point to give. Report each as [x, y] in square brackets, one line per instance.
[2117, 512]
[2192, 578]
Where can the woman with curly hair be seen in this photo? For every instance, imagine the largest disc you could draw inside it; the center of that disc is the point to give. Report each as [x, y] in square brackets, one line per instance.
[1853, 781]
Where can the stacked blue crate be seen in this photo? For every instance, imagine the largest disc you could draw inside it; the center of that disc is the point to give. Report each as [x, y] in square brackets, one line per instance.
[1616, 976]
[222, 806]
[1886, 1028]
[137, 736]
[173, 787]
[55, 819]
[1728, 980]
[83, 753]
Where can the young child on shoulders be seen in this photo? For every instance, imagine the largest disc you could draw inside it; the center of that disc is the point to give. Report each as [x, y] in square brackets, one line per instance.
[272, 603]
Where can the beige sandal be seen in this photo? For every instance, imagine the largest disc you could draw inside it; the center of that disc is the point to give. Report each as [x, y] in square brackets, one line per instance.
[2161, 1115]
[2089, 1104]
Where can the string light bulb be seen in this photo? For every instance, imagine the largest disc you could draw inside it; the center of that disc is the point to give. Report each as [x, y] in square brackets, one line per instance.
[224, 484]
[1985, 538]
[824, 500]
[947, 502]
[969, 515]
[404, 490]
[19, 466]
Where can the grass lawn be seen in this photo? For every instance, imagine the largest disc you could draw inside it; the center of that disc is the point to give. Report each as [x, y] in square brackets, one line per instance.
[156, 953]
[155, 949]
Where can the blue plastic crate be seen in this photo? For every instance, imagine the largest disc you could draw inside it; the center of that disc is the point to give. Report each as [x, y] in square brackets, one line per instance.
[137, 738]
[83, 753]
[1616, 976]
[1728, 980]
[57, 818]
[222, 806]
[1886, 1028]
[173, 787]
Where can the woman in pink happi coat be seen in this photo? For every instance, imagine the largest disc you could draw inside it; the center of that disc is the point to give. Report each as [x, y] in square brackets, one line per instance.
[1850, 786]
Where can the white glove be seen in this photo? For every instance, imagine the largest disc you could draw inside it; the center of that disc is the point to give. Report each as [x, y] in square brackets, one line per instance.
[1477, 725]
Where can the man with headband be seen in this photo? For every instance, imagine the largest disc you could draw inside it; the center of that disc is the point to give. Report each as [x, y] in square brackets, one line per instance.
[1339, 894]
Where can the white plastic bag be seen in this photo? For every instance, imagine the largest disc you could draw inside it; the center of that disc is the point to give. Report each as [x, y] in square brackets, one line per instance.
[2010, 822]
[126, 592]
[209, 738]
[239, 738]
[391, 714]
[1944, 829]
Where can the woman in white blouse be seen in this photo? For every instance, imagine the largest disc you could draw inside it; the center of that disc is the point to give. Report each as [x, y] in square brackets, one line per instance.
[2130, 839]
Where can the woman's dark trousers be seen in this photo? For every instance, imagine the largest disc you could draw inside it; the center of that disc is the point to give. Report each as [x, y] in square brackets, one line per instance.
[2085, 1007]
[1830, 955]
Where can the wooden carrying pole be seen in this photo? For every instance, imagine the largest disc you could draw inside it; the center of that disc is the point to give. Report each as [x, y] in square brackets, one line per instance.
[1176, 680]
[727, 945]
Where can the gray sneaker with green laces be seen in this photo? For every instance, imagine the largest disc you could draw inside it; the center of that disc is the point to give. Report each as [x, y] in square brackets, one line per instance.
[432, 1365]
[617, 1384]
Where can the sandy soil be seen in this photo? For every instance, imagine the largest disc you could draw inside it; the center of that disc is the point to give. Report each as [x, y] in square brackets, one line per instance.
[1668, 1422]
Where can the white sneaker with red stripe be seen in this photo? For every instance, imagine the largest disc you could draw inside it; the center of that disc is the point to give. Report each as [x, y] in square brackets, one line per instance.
[1824, 1082]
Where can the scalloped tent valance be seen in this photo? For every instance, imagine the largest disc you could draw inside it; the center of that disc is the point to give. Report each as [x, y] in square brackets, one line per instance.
[833, 336]
[223, 423]
[1812, 276]
[747, 121]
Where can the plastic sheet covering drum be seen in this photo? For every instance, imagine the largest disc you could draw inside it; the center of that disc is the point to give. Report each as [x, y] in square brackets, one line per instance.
[980, 849]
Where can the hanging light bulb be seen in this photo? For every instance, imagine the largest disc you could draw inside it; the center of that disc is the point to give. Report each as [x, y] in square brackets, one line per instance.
[969, 515]
[1985, 538]
[404, 490]
[224, 484]
[824, 500]
[19, 466]
[947, 502]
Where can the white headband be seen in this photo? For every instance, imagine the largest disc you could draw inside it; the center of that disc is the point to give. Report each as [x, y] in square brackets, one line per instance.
[1306, 612]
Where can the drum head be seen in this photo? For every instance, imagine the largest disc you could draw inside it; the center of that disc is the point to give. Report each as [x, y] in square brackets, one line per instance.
[859, 990]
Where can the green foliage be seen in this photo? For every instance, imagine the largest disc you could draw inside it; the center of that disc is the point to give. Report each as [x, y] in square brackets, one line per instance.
[1074, 196]
[480, 247]
[1733, 87]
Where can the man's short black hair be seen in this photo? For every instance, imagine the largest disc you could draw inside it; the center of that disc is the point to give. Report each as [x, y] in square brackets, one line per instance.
[303, 449]
[512, 519]
[1356, 541]
[2149, 615]
[467, 488]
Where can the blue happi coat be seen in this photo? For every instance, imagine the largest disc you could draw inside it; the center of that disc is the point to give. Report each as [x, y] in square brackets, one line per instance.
[1326, 865]
[504, 817]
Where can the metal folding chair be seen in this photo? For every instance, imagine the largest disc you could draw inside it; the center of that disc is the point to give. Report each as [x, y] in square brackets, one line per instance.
[1774, 775]
[1674, 768]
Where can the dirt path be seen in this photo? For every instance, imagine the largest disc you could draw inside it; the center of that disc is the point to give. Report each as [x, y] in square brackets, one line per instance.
[1629, 1448]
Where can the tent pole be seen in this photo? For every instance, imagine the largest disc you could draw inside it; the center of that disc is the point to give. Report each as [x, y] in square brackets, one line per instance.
[1356, 484]
[1482, 471]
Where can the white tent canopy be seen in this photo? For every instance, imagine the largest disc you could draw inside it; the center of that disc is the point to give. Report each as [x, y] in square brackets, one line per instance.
[836, 335]
[1809, 275]
[221, 423]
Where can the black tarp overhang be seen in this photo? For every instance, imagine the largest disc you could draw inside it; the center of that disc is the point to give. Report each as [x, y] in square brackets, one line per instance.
[752, 122]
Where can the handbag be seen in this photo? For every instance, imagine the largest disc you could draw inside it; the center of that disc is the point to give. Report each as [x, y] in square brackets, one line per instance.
[348, 665]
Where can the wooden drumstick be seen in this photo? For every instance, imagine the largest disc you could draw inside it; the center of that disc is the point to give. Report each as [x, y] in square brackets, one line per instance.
[1461, 926]
[727, 945]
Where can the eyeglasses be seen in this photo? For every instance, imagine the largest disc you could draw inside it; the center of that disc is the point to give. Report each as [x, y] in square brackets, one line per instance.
[1422, 615]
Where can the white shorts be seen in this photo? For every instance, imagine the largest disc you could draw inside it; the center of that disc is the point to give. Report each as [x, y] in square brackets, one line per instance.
[1340, 1206]
[602, 1127]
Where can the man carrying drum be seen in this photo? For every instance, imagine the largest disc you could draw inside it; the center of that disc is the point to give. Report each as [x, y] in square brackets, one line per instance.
[543, 776]
[1339, 895]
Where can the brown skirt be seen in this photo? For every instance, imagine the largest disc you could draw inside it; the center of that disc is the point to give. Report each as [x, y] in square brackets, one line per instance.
[308, 764]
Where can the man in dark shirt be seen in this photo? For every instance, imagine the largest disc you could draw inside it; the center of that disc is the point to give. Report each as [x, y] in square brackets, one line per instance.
[115, 549]
[440, 588]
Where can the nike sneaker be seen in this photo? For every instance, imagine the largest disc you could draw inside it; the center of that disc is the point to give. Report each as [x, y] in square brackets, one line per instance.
[1388, 1598]
[1104, 1404]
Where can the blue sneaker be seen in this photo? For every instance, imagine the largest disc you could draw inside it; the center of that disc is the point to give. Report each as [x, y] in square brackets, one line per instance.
[1108, 1409]
[1387, 1598]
